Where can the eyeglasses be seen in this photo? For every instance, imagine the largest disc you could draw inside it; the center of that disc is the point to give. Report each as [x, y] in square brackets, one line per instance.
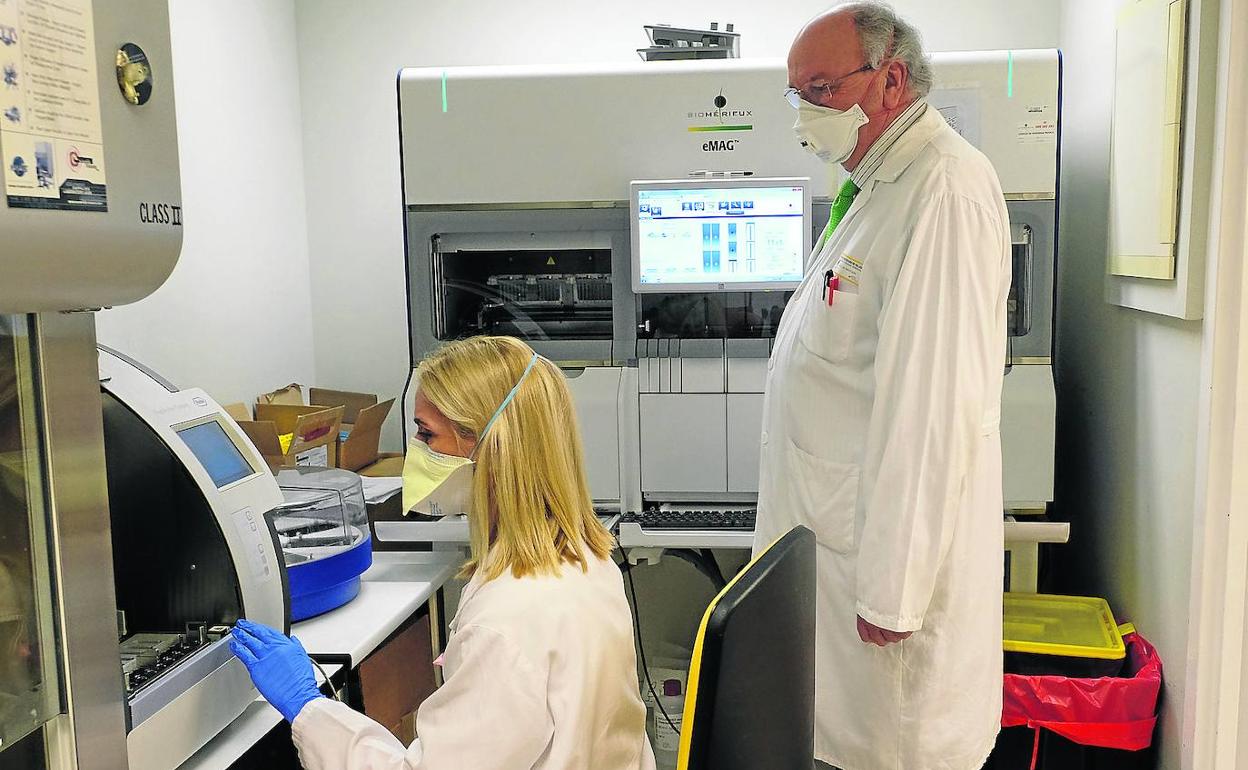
[812, 92]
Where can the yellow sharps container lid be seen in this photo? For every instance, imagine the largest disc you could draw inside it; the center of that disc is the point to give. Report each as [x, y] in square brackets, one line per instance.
[1074, 626]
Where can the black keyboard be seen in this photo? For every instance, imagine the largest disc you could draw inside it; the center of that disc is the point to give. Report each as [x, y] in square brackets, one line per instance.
[717, 521]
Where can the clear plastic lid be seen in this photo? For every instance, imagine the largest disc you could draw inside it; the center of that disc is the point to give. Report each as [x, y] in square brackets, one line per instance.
[323, 513]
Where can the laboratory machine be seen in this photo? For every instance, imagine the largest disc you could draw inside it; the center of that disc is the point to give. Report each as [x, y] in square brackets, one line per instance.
[322, 528]
[644, 226]
[194, 550]
[90, 217]
[668, 43]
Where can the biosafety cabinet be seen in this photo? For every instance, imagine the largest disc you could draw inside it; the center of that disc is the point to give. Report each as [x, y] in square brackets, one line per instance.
[90, 217]
[527, 214]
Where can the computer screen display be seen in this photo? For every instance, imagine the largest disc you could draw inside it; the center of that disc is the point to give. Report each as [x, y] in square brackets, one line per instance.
[218, 454]
[719, 237]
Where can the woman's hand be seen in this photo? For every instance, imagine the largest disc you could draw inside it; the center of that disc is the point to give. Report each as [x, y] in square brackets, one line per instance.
[278, 665]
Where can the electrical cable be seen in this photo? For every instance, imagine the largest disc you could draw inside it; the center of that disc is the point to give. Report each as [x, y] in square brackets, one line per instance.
[333, 693]
[641, 650]
[703, 562]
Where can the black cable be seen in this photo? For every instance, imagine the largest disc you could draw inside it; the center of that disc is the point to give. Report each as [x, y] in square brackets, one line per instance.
[645, 667]
[712, 566]
[641, 650]
[333, 691]
[703, 562]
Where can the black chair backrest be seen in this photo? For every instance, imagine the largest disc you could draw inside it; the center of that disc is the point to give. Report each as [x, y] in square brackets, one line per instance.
[751, 693]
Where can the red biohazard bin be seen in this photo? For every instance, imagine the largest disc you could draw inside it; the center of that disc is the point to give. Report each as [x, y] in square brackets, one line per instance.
[1077, 723]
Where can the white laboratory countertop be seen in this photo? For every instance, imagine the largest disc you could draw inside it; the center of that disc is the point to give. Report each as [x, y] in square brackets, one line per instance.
[414, 566]
[243, 733]
[391, 591]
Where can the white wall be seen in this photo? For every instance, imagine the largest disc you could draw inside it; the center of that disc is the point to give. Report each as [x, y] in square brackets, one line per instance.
[235, 317]
[1128, 387]
[351, 52]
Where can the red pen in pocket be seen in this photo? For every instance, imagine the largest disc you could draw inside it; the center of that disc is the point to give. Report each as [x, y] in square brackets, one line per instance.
[830, 284]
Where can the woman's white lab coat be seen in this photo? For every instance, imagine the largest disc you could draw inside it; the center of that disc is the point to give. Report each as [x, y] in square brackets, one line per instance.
[881, 434]
[540, 672]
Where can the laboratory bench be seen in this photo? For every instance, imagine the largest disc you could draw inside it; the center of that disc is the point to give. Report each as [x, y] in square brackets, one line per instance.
[392, 590]
[403, 590]
[400, 600]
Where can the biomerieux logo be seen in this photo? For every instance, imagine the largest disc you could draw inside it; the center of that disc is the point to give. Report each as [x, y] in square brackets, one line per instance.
[724, 117]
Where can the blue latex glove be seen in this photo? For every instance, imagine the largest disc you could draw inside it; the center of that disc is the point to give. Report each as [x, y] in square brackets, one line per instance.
[279, 667]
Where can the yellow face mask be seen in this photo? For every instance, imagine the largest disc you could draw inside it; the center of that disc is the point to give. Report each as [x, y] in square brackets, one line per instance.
[438, 484]
[435, 484]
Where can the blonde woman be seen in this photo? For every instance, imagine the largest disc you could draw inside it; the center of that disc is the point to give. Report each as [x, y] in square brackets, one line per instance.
[539, 666]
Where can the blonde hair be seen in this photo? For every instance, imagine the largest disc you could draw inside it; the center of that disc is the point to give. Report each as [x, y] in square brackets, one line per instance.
[530, 465]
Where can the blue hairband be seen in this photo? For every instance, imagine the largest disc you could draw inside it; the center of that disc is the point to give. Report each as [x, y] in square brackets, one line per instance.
[510, 395]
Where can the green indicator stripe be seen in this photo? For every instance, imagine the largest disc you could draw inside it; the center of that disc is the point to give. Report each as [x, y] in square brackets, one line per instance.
[743, 127]
[1009, 74]
[444, 90]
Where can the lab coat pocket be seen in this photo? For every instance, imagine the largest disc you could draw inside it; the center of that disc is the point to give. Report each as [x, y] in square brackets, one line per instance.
[826, 494]
[827, 330]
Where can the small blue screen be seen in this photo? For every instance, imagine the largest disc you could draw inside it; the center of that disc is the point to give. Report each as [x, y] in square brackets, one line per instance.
[220, 457]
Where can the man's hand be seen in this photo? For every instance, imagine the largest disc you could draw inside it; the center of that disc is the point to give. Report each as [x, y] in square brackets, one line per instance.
[880, 637]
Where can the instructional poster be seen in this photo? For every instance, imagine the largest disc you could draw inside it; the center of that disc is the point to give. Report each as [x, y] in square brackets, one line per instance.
[960, 109]
[50, 138]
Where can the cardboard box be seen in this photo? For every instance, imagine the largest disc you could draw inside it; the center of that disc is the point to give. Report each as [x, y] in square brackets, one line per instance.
[239, 411]
[291, 394]
[387, 464]
[362, 420]
[397, 677]
[406, 730]
[313, 431]
[352, 403]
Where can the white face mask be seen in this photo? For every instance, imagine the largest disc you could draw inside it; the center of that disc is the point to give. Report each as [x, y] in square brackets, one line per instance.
[830, 134]
[440, 484]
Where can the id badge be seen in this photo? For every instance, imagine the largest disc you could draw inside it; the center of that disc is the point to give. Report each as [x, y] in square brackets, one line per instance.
[849, 270]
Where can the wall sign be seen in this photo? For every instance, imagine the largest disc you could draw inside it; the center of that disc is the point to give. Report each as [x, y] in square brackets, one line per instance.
[50, 137]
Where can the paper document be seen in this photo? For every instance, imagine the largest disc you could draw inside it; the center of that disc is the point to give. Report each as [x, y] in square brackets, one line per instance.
[378, 489]
[51, 136]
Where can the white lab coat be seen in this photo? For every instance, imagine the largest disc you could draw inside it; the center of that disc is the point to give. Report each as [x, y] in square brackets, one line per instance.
[881, 434]
[540, 673]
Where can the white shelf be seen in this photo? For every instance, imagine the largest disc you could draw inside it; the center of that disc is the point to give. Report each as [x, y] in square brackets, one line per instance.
[633, 536]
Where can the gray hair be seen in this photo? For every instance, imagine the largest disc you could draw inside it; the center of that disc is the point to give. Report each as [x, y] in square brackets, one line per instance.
[885, 35]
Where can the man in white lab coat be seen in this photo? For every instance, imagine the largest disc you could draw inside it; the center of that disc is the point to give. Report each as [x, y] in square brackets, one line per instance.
[881, 422]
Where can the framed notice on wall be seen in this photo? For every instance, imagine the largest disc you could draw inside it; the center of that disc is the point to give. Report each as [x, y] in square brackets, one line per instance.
[1145, 169]
[50, 136]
